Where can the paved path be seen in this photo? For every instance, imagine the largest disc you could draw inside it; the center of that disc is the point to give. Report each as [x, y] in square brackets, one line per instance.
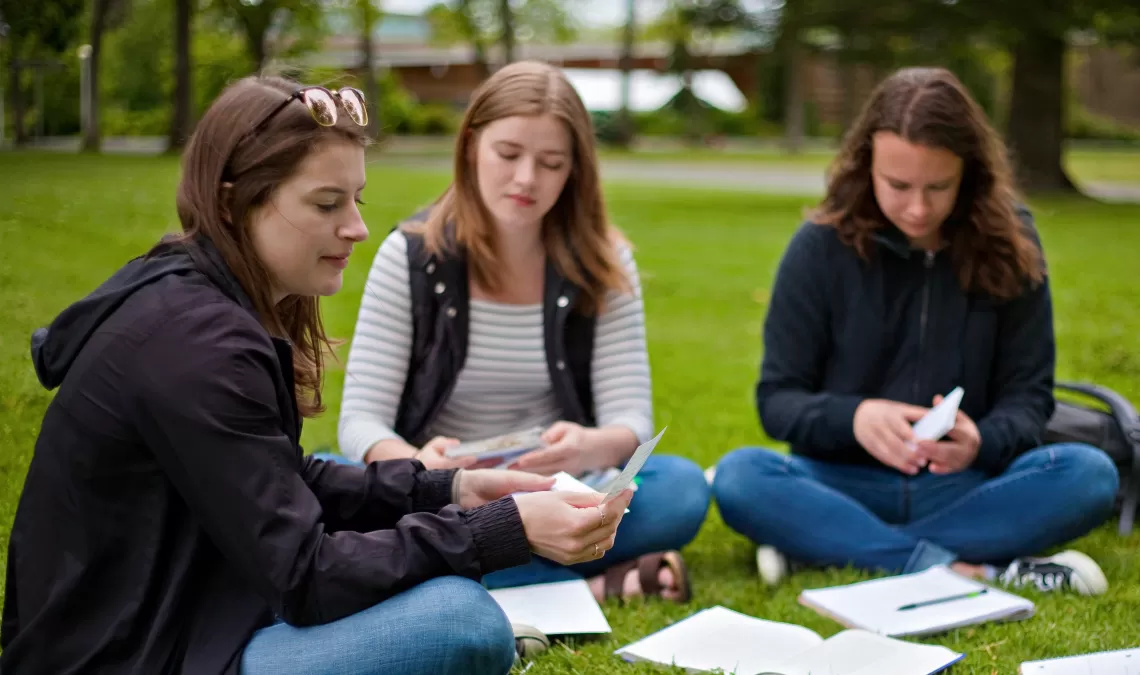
[772, 179]
[759, 177]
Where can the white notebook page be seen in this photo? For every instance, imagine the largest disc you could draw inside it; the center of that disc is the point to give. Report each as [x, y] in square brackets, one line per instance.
[1121, 662]
[721, 638]
[856, 652]
[558, 608]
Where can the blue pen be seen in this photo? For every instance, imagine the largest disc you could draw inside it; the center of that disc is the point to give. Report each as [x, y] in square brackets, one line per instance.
[949, 598]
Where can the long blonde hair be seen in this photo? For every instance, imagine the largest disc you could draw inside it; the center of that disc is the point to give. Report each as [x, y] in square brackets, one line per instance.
[576, 232]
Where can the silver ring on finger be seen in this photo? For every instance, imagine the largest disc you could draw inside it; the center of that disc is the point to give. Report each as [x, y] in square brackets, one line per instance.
[602, 513]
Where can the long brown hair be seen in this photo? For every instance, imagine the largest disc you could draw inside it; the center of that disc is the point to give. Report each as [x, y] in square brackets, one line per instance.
[576, 232]
[253, 163]
[989, 244]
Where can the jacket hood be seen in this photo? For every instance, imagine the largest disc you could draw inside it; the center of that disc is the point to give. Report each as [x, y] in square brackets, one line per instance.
[56, 347]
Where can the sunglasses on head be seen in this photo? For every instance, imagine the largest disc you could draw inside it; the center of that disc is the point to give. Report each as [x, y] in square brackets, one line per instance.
[322, 105]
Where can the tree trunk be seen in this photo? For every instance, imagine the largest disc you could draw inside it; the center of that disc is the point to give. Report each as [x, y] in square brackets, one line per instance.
[181, 122]
[368, 67]
[479, 50]
[93, 136]
[625, 117]
[849, 73]
[482, 66]
[256, 45]
[19, 135]
[1036, 114]
[794, 93]
[508, 36]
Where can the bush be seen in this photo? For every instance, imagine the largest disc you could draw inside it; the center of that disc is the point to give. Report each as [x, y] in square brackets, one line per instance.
[436, 120]
[118, 121]
[1084, 125]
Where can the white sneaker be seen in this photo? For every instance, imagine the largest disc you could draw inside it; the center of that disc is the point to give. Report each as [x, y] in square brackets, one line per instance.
[1066, 570]
[771, 564]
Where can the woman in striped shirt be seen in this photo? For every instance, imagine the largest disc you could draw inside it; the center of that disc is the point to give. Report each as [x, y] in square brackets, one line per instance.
[512, 303]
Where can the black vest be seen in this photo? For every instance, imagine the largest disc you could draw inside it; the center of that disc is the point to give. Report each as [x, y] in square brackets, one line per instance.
[440, 311]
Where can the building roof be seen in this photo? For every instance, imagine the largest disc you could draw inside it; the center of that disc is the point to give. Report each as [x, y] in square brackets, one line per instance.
[601, 89]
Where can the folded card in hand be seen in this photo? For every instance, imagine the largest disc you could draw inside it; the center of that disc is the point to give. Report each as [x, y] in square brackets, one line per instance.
[940, 420]
[564, 482]
[721, 639]
[500, 447]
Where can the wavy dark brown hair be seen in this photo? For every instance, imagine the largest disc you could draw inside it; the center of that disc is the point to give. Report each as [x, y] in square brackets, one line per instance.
[226, 149]
[991, 248]
[576, 232]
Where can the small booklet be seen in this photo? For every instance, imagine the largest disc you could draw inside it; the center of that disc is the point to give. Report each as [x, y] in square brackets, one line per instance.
[557, 608]
[1120, 662]
[505, 447]
[720, 638]
[933, 601]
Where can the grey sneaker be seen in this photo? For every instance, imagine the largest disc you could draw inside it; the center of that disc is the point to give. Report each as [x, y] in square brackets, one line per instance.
[1068, 570]
[771, 564]
[529, 641]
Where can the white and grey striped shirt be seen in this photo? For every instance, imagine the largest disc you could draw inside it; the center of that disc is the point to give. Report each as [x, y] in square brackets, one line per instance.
[504, 386]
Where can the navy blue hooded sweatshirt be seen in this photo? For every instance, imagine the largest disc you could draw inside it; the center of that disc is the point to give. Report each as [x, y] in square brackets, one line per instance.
[841, 329]
[169, 511]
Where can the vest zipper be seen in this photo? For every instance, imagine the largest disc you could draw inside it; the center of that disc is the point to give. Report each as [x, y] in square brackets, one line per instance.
[928, 263]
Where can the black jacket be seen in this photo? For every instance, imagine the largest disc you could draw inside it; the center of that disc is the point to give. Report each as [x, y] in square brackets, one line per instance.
[169, 511]
[840, 329]
[440, 307]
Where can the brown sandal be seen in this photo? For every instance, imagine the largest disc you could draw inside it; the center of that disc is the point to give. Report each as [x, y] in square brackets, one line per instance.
[648, 566]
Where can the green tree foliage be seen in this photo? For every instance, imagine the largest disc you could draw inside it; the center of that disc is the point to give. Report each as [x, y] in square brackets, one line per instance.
[467, 21]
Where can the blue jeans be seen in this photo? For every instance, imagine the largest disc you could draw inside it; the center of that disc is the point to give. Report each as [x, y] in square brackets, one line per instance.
[666, 513]
[822, 514]
[448, 625]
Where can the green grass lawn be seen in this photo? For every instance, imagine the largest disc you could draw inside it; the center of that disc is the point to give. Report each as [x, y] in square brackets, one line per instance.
[707, 260]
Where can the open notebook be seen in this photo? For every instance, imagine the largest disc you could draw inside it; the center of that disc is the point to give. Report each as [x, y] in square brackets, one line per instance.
[1121, 662]
[935, 600]
[719, 638]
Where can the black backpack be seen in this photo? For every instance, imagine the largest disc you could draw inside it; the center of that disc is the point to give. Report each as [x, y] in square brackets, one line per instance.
[1111, 424]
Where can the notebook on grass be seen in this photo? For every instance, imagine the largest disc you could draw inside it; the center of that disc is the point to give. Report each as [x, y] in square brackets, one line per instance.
[935, 600]
[1120, 662]
[720, 638]
[556, 608]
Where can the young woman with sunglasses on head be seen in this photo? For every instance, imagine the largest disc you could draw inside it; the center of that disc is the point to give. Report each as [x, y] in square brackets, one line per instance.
[919, 273]
[512, 303]
[170, 521]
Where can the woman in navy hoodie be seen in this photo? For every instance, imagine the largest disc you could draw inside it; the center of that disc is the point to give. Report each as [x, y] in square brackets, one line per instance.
[170, 521]
[918, 273]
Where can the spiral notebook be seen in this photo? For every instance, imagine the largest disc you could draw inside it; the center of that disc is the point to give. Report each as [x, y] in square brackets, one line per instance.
[933, 601]
[722, 639]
